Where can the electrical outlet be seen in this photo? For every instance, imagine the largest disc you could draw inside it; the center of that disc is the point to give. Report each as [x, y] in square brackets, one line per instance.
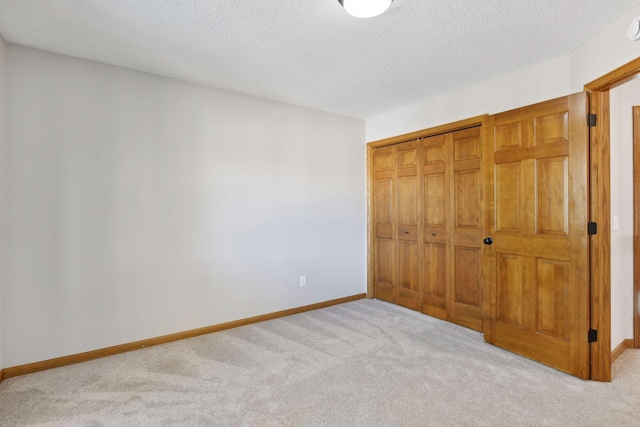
[303, 281]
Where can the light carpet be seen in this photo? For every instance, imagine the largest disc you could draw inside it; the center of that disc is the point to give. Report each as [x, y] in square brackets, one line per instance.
[364, 363]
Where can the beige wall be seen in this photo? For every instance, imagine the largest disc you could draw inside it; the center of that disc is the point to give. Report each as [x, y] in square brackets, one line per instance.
[138, 206]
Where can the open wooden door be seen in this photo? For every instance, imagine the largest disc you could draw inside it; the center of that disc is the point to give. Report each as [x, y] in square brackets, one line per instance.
[536, 266]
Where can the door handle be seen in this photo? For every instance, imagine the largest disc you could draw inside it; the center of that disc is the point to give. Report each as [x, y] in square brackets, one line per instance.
[488, 241]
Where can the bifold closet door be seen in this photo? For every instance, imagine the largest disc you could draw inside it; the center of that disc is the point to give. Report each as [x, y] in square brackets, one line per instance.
[428, 226]
[466, 228]
[408, 205]
[452, 279]
[384, 222]
[396, 200]
[436, 177]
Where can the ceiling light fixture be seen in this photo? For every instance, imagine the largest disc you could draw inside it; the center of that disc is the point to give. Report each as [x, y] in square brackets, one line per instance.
[365, 8]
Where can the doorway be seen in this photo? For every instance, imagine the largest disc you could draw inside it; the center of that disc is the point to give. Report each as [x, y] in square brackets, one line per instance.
[625, 187]
[600, 212]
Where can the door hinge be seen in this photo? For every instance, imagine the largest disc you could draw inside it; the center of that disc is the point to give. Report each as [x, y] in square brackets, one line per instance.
[592, 228]
[591, 120]
[593, 335]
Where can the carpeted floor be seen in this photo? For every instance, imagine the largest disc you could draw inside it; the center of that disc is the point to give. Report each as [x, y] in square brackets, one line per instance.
[364, 363]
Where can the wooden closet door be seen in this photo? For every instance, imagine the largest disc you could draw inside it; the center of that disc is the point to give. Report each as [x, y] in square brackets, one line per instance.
[408, 205]
[436, 195]
[537, 267]
[397, 206]
[466, 228]
[452, 229]
[384, 215]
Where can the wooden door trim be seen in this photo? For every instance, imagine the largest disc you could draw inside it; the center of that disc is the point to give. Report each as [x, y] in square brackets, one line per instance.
[451, 127]
[437, 130]
[636, 224]
[615, 78]
[600, 211]
[600, 243]
[370, 225]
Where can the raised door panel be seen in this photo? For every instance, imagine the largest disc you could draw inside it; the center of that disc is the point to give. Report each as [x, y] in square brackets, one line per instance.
[553, 127]
[436, 268]
[508, 135]
[508, 185]
[552, 196]
[407, 200]
[435, 191]
[467, 279]
[383, 159]
[467, 144]
[385, 271]
[434, 296]
[409, 275]
[552, 292]
[510, 288]
[467, 198]
[384, 200]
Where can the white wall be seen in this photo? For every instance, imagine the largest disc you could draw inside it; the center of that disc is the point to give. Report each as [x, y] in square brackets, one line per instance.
[536, 84]
[606, 51]
[623, 98]
[2, 104]
[138, 206]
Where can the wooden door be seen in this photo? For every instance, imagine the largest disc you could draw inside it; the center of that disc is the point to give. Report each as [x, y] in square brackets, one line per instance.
[466, 228]
[453, 227]
[384, 223]
[436, 248]
[536, 275]
[408, 204]
[396, 199]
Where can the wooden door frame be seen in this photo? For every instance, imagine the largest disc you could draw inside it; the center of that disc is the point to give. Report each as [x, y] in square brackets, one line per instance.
[451, 127]
[636, 225]
[600, 212]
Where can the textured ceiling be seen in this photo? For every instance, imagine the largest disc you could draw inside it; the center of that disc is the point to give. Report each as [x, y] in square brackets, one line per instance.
[310, 52]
